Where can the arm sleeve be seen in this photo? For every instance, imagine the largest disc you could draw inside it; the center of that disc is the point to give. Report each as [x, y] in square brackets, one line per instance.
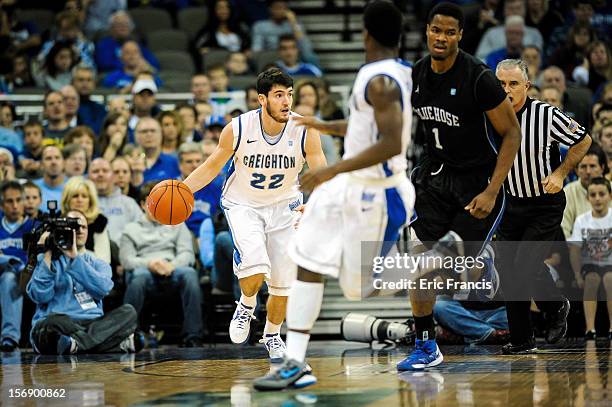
[41, 287]
[207, 243]
[128, 254]
[94, 274]
[488, 91]
[565, 130]
[185, 256]
[102, 245]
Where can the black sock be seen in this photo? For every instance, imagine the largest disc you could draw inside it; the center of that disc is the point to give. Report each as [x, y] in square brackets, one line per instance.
[424, 327]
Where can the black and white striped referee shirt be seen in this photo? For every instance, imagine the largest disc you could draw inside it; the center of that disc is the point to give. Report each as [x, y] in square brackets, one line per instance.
[543, 128]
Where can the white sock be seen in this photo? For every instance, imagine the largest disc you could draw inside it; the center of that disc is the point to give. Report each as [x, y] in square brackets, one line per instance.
[271, 328]
[303, 307]
[249, 301]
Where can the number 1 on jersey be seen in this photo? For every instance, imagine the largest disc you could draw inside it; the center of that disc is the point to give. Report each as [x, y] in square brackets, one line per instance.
[437, 137]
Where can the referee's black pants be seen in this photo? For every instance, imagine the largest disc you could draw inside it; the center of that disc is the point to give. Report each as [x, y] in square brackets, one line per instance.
[526, 237]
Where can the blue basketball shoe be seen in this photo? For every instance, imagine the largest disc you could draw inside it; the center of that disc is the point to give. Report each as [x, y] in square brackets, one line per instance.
[425, 354]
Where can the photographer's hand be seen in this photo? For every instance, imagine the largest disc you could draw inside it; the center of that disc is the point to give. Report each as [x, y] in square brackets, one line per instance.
[41, 241]
[72, 252]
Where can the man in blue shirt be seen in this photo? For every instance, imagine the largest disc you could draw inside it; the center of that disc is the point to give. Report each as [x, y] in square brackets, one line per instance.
[90, 113]
[159, 166]
[13, 225]
[68, 290]
[52, 183]
[289, 58]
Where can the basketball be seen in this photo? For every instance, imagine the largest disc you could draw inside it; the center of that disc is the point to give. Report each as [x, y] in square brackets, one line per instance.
[170, 202]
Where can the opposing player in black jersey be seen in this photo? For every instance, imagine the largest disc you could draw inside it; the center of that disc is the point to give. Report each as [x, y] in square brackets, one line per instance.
[457, 99]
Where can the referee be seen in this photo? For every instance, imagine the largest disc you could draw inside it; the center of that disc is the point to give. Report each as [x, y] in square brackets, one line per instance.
[535, 209]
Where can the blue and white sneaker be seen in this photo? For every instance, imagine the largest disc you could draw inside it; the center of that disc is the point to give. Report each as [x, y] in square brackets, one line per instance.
[240, 326]
[66, 345]
[489, 275]
[291, 374]
[275, 346]
[425, 354]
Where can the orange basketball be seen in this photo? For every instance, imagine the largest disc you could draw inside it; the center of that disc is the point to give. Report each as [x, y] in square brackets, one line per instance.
[170, 202]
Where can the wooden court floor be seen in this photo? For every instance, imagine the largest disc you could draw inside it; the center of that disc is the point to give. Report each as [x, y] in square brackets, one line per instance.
[350, 374]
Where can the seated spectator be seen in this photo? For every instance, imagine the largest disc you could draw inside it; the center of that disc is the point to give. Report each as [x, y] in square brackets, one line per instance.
[108, 49]
[188, 116]
[68, 28]
[590, 254]
[552, 96]
[56, 70]
[7, 165]
[572, 54]
[9, 137]
[219, 81]
[80, 194]
[289, 58]
[222, 31]
[122, 177]
[534, 92]
[90, 113]
[543, 17]
[533, 58]
[200, 88]
[266, 33]
[596, 69]
[237, 63]
[118, 208]
[136, 158]
[155, 256]
[83, 136]
[99, 16]
[495, 38]
[214, 126]
[172, 131]
[29, 160]
[159, 165]
[13, 258]
[119, 104]
[252, 98]
[75, 160]
[593, 165]
[144, 103]
[32, 198]
[113, 136]
[55, 112]
[24, 35]
[204, 113]
[71, 101]
[514, 28]
[478, 21]
[133, 63]
[21, 74]
[68, 293]
[53, 180]
[572, 102]
[327, 106]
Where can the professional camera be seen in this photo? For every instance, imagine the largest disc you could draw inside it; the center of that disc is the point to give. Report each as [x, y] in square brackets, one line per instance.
[61, 236]
[366, 328]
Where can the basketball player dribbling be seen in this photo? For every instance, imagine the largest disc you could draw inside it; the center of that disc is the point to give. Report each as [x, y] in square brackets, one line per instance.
[262, 201]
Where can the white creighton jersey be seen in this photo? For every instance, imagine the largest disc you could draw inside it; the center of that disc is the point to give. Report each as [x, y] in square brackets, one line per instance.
[263, 171]
[362, 131]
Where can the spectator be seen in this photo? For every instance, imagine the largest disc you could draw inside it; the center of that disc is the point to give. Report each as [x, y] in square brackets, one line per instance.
[582, 13]
[55, 112]
[133, 63]
[69, 31]
[533, 58]
[237, 63]
[477, 22]
[590, 252]
[9, 138]
[80, 194]
[136, 158]
[593, 165]
[533, 92]
[188, 116]
[7, 165]
[252, 98]
[53, 180]
[56, 70]
[155, 255]
[172, 131]
[514, 29]
[542, 17]
[113, 136]
[24, 35]
[204, 113]
[572, 54]
[596, 69]
[99, 16]
[222, 31]
[30, 157]
[21, 74]
[144, 103]
[68, 293]
[159, 165]
[289, 58]
[90, 113]
[122, 177]
[219, 80]
[495, 38]
[109, 48]
[71, 101]
[200, 88]
[605, 139]
[552, 96]
[214, 127]
[13, 226]
[119, 104]
[574, 106]
[118, 208]
[83, 136]
[32, 198]
[75, 160]
[266, 33]
[327, 106]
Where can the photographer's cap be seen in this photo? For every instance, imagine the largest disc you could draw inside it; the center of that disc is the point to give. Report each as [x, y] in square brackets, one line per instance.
[144, 84]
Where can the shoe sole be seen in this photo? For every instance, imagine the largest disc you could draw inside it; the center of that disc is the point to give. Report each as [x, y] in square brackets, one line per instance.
[304, 381]
[420, 367]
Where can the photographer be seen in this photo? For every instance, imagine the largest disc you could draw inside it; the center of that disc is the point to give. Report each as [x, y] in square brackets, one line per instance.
[68, 288]
[13, 225]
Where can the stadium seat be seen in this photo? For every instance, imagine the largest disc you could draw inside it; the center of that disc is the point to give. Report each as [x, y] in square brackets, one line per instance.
[214, 57]
[242, 81]
[175, 61]
[263, 58]
[41, 17]
[192, 19]
[162, 40]
[150, 19]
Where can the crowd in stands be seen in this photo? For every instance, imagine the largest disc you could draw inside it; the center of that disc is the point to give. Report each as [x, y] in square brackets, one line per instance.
[101, 159]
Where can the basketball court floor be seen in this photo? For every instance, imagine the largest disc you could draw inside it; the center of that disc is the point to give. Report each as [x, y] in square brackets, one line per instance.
[349, 373]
